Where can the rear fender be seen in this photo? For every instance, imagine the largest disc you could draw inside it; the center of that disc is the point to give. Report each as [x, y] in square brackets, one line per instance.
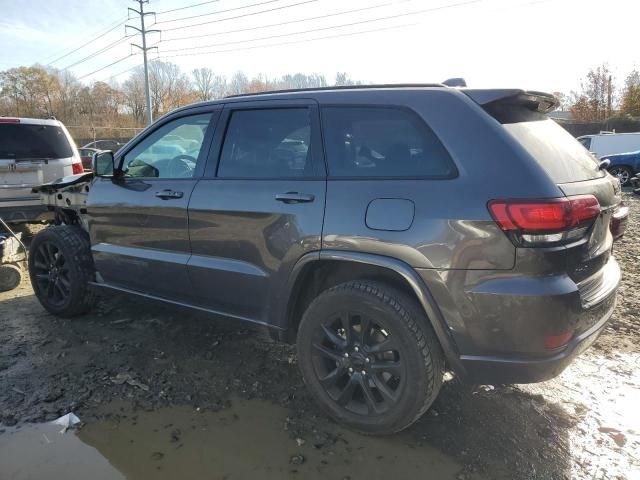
[413, 280]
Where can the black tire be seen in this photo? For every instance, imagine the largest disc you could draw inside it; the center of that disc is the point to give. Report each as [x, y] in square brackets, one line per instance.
[61, 267]
[624, 174]
[10, 276]
[397, 367]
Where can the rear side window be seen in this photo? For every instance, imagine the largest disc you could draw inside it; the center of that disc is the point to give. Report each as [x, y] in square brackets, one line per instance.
[561, 155]
[267, 143]
[382, 142]
[586, 142]
[21, 141]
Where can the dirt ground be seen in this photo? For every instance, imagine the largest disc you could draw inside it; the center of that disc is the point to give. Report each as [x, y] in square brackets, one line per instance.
[130, 358]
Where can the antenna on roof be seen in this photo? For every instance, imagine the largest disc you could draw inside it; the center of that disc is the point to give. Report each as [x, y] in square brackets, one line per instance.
[455, 82]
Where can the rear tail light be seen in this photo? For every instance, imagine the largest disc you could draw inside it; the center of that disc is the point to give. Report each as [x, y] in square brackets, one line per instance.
[9, 120]
[77, 168]
[545, 222]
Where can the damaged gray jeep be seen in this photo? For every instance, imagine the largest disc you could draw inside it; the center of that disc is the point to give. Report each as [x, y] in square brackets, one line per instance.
[391, 232]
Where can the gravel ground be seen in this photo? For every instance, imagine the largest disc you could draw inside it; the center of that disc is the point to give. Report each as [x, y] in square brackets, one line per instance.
[581, 425]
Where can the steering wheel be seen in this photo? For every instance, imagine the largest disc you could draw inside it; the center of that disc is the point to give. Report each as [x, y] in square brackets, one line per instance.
[178, 167]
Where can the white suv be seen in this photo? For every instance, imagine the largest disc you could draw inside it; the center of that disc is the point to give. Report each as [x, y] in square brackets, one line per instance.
[32, 152]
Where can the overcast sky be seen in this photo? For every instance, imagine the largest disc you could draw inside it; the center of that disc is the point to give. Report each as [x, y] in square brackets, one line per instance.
[536, 44]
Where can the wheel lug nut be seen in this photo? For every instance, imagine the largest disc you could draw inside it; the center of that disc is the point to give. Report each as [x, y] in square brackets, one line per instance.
[363, 372]
[367, 360]
[355, 349]
[350, 370]
[346, 355]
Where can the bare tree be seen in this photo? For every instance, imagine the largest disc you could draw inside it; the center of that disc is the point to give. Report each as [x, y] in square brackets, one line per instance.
[238, 84]
[134, 98]
[203, 82]
[342, 79]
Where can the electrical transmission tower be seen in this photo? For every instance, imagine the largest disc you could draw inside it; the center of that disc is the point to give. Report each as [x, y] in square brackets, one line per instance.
[143, 33]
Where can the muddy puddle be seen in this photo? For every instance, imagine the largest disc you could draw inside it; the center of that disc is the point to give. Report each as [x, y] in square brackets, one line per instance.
[248, 440]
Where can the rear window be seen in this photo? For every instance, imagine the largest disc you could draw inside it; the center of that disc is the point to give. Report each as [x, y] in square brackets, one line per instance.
[382, 142]
[23, 142]
[561, 155]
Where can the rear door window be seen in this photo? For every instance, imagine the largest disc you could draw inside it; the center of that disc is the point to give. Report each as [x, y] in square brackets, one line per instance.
[21, 141]
[267, 143]
[559, 153]
[382, 142]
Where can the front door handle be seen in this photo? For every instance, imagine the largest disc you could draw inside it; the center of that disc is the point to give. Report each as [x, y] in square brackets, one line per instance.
[295, 197]
[168, 194]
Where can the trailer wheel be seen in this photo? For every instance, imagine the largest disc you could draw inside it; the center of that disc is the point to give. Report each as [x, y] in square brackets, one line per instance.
[10, 276]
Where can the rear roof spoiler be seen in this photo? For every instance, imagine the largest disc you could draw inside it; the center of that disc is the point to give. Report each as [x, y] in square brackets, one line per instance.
[536, 101]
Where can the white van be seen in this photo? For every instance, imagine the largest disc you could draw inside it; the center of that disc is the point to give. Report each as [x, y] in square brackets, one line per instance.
[32, 152]
[610, 143]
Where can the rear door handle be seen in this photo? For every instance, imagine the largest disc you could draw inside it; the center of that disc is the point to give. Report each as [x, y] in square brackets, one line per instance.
[168, 194]
[295, 197]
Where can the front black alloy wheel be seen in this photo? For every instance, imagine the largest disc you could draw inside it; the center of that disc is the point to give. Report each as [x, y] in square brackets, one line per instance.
[60, 268]
[51, 273]
[369, 356]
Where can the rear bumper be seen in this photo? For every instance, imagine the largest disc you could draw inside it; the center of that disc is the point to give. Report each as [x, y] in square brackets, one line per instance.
[499, 369]
[501, 323]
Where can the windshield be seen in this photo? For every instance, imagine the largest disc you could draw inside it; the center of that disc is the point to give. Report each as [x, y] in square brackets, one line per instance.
[23, 141]
[561, 155]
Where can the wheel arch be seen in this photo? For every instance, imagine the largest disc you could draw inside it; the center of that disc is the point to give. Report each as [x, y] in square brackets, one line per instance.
[318, 271]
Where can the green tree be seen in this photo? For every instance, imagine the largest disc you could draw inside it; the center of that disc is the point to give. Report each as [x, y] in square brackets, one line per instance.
[631, 95]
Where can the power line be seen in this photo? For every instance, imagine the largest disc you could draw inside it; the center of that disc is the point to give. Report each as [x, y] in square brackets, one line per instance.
[218, 12]
[111, 29]
[188, 6]
[351, 24]
[241, 16]
[104, 79]
[305, 40]
[96, 53]
[279, 24]
[106, 66]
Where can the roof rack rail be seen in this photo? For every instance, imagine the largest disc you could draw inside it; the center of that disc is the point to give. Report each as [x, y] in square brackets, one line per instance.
[342, 87]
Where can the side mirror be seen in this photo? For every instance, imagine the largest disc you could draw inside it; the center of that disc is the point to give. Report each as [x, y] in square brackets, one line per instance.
[103, 163]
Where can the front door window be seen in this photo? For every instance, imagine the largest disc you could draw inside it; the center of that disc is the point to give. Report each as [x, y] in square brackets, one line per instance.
[172, 151]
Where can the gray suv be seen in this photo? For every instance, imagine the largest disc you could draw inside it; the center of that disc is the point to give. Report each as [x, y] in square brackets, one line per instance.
[392, 232]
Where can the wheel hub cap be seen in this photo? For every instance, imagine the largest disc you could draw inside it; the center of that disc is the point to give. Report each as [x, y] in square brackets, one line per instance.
[359, 364]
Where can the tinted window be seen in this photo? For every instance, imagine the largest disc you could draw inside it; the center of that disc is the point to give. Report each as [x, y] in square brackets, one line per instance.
[171, 151]
[586, 142]
[561, 155]
[267, 143]
[382, 142]
[23, 141]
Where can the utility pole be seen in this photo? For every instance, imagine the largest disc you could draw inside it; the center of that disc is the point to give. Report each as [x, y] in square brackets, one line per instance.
[143, 32]
[609, 97]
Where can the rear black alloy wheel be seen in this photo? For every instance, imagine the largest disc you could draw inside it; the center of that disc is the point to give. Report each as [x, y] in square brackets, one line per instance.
[51, 273]
[60, 268]
[359, 363]
[369, 357]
